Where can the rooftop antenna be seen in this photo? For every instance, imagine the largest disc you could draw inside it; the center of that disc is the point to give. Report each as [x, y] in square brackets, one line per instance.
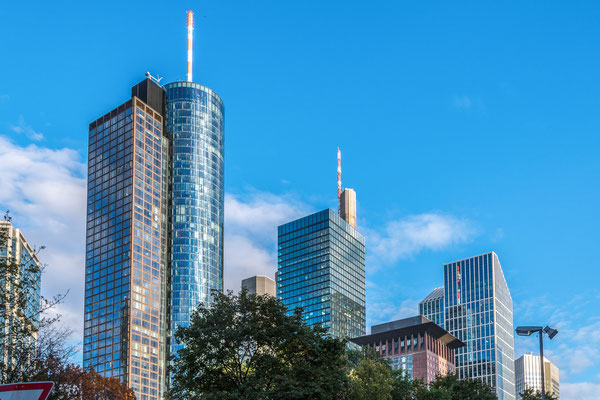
[339, 177]
[155, 79]
[190, 29]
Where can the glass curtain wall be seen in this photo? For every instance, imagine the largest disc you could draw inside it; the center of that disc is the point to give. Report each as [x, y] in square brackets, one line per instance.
[195, 118]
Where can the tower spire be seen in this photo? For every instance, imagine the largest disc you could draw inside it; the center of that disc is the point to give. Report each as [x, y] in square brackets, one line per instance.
[190, 29]
[339, 176]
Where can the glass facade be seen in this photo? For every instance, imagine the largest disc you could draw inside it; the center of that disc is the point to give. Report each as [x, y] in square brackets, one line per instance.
[14, 249]
[195, 120]
[432, 306]
[123, 285]
[321, 268]
[478, 311]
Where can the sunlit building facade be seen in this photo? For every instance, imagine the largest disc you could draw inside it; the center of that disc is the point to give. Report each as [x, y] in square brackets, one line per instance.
[418, 347]
[21, 266]
[478, 310]
[124, 268]
[321, 269]
[528, 375]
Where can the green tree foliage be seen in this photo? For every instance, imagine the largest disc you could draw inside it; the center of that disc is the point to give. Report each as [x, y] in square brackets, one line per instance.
[529, 394]
[463, 389]
[246, 347]
[19, 321]
[371, 379]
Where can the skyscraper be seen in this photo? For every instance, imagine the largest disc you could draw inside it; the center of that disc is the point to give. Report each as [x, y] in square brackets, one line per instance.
[432, 306]
[154, 228]
[125, 287]
[195, 122]
[478, 310]
[528, 375]
[321, 268]
[20, 287]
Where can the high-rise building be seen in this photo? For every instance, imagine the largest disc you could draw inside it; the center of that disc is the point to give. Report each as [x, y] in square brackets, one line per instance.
[259, 285]
[20, 285]
[321, 268]
[528, 375]
[416, 345]
[154, 228]
[195, 116]
[432, 306]
[478, 310]
[125, 287]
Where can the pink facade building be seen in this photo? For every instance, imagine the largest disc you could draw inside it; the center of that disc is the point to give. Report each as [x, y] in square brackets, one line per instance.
[416, 345]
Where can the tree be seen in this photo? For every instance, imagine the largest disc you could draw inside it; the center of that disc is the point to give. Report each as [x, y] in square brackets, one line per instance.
[463, 389]
[21, 308]
[247, 347]
[52, 362]
[530, 394]
[371, 379]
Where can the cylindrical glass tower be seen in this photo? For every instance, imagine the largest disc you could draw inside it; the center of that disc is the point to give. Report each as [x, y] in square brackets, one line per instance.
[195, 117]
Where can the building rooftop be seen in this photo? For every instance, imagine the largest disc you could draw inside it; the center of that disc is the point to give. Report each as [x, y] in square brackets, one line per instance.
[407, 327]
[435, 294]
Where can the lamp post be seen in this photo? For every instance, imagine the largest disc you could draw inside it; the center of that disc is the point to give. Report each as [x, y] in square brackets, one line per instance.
[528, 331]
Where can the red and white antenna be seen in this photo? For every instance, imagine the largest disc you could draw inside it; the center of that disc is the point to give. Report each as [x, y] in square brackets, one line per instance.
[339, 177]
[458, 278]
[190, 29]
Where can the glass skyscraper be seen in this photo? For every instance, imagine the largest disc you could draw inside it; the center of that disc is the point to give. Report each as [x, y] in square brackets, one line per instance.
[154, 245]
[432, 306]
[195, 120]
[321, 268]
[478, 310]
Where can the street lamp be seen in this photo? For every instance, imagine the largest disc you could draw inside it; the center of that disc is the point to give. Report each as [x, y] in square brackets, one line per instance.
[528, 331]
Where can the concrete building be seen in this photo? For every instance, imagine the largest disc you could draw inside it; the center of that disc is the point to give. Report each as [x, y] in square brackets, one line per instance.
[528, 375]
[154, 228]
[416, 345]
[348, 207]
[260, 285]
[21, 267]
[478, 310]
[321, 268]
[432, 306]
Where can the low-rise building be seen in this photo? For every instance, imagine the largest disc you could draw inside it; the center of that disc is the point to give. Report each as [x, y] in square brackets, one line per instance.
[416, 345]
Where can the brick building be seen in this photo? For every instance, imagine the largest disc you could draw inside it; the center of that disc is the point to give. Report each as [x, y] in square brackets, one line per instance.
[416, 345]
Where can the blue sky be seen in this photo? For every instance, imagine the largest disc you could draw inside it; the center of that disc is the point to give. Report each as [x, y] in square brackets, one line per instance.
[464, 127]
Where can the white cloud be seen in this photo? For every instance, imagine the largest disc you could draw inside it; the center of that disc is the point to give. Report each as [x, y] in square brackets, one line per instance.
[45, 191]
[251, 233]
[580, 391]
[403, 238]
[27, 130]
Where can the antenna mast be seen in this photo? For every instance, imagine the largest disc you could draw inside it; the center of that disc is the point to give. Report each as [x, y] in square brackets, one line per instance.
[190, 29]
[339, 178]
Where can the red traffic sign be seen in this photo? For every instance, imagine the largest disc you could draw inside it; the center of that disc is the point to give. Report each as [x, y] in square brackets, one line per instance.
[26, 391]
